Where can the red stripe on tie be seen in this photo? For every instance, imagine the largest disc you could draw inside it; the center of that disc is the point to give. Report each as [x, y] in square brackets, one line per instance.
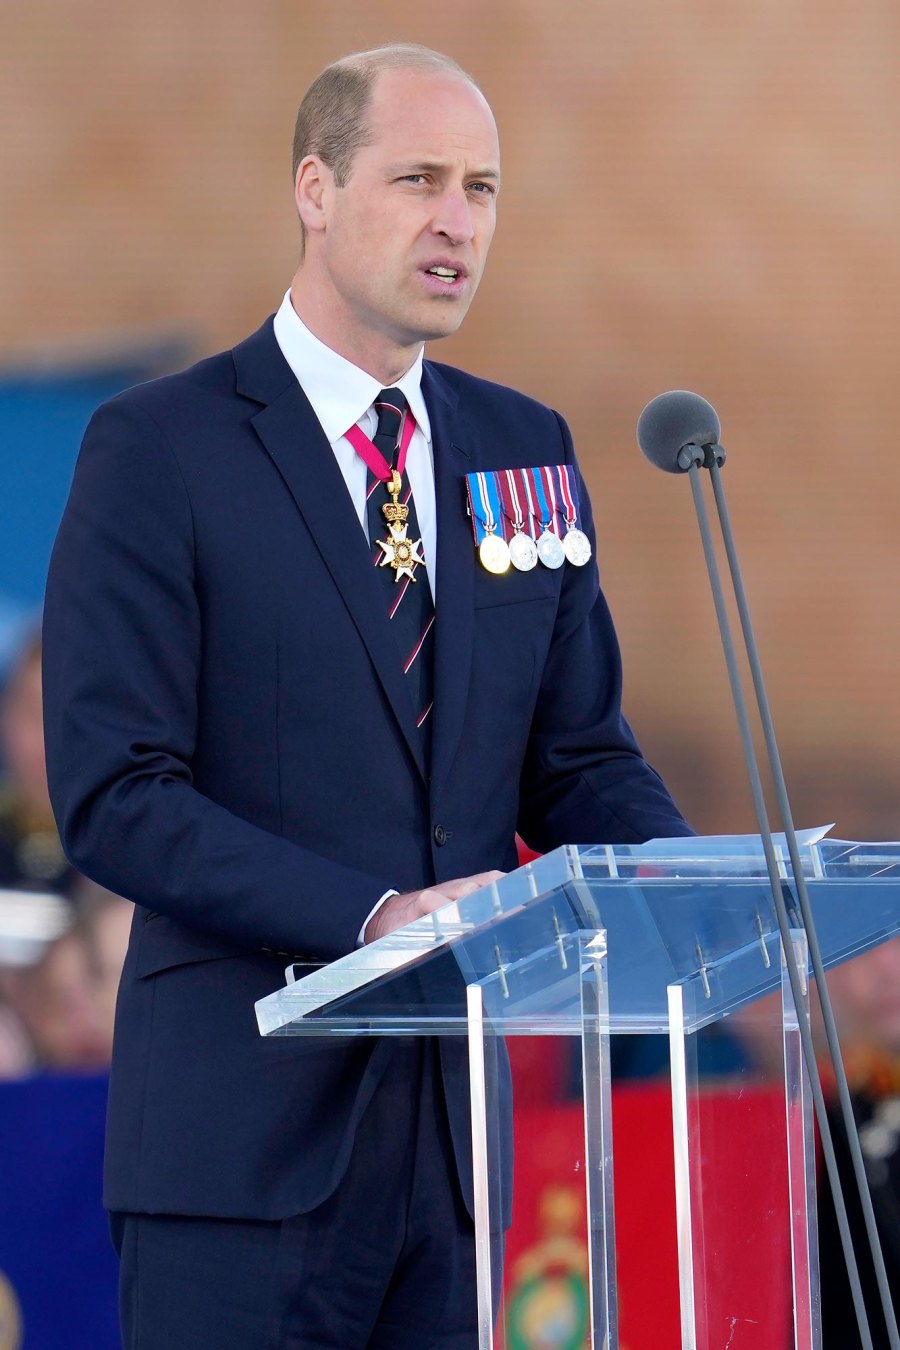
[418, 647]
[424, 714]
[396, 605]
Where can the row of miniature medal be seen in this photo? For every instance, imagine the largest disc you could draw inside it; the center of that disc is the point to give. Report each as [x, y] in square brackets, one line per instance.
[530, 503]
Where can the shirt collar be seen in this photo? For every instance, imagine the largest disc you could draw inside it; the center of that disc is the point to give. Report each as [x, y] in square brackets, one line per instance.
[340, 393]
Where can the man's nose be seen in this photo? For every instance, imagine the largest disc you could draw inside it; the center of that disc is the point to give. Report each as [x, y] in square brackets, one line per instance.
[453, 217]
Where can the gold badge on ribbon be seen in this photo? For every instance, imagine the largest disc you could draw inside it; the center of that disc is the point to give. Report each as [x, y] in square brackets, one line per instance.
[398, 551]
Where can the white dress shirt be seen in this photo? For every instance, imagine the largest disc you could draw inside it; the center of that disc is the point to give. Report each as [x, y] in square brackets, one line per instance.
[341, 394]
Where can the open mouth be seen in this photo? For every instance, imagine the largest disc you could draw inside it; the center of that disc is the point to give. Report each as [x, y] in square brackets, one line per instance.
[447, 276]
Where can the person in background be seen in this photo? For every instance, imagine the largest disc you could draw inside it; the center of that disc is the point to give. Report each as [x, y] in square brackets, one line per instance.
[54, 1002]
[32, 859]
[31, 856]
[59, 1012]
[865, 993]
[16, 1056]
[105, 920]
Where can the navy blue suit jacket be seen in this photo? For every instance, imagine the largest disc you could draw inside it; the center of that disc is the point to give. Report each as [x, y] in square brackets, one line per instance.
[231, 744]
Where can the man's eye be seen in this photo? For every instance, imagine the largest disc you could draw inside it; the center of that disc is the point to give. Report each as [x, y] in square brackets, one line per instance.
[413, 178]
[486, 189]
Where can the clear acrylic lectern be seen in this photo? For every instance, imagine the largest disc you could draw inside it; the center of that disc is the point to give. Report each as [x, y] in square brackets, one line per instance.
[675, 937]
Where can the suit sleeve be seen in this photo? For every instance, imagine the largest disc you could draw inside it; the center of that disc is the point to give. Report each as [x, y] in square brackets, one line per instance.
[585, 779]
[122, 651]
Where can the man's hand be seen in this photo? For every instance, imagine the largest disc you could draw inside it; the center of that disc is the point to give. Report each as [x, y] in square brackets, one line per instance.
[399, 910]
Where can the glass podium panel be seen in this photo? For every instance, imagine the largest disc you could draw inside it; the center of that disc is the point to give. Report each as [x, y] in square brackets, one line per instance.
[744, 1177]
[563, 1286]
[672, 908]
[589, 949]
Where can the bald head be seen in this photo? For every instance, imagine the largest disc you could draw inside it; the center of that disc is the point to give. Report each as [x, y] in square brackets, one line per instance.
[332, 121]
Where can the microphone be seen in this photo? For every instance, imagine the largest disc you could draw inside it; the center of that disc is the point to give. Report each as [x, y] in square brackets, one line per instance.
[679, 433]
[674, 426]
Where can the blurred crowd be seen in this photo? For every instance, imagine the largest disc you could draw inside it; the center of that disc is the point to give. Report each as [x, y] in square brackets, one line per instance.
[866, 997]
[57, 996]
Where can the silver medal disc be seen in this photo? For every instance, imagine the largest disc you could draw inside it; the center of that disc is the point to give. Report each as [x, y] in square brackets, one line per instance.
[550, 549]
[577, 547]
[523, 551]
[494, 553]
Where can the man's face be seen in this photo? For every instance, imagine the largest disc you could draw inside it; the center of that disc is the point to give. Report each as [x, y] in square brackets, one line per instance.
[420, 196]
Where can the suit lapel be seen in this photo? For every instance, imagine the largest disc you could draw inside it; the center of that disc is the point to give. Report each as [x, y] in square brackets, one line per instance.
[455, 574]
[293, 437]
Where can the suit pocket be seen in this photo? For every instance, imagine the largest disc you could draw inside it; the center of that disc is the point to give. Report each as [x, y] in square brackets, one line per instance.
[515, 588]
[163, 943]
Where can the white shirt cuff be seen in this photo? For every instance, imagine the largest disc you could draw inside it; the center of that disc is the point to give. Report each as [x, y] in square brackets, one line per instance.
[361, 940]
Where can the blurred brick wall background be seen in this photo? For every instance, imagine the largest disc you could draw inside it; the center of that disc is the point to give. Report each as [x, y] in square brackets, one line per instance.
[697, 194]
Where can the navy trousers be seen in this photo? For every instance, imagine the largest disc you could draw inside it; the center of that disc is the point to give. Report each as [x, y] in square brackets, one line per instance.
[387, 1262]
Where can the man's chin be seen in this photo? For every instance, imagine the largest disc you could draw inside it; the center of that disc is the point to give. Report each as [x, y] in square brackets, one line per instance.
[441, 320]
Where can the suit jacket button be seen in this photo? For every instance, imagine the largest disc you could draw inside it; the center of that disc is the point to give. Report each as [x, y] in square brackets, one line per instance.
[440, 835]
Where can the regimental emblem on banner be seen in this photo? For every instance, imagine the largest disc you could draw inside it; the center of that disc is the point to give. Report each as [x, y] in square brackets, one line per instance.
[548, 1305]
[10, 1317]
[526, 516]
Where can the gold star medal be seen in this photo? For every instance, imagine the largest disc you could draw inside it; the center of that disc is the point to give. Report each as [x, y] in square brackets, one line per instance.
[398, 552]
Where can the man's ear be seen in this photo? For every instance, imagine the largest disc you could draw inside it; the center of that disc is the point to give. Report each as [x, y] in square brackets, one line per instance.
[311, 190]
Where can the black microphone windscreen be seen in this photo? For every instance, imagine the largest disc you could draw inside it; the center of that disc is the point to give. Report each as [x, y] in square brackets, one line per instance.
[671, 421]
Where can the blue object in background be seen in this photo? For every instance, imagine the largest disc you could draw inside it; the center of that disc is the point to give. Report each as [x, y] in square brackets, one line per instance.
[55, 1249]
[42, 421]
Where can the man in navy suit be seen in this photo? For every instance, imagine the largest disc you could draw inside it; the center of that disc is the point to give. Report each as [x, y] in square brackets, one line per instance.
[235, 743]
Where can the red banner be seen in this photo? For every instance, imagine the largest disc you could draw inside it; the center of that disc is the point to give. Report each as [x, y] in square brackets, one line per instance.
[746, 1232]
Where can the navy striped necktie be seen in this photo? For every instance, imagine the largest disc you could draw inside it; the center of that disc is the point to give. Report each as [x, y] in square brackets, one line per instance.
[409, 604]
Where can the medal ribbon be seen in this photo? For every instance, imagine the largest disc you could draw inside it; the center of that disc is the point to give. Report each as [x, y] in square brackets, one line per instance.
[529, 495]
[548, 478]
[484, 500]
[509, 496]
[505, 501]
[567, 495]
[494, 507]
[373, 457]
[543, 485]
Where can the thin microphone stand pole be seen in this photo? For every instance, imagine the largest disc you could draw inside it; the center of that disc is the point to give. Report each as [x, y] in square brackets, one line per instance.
[711, 462]
[784, 927]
